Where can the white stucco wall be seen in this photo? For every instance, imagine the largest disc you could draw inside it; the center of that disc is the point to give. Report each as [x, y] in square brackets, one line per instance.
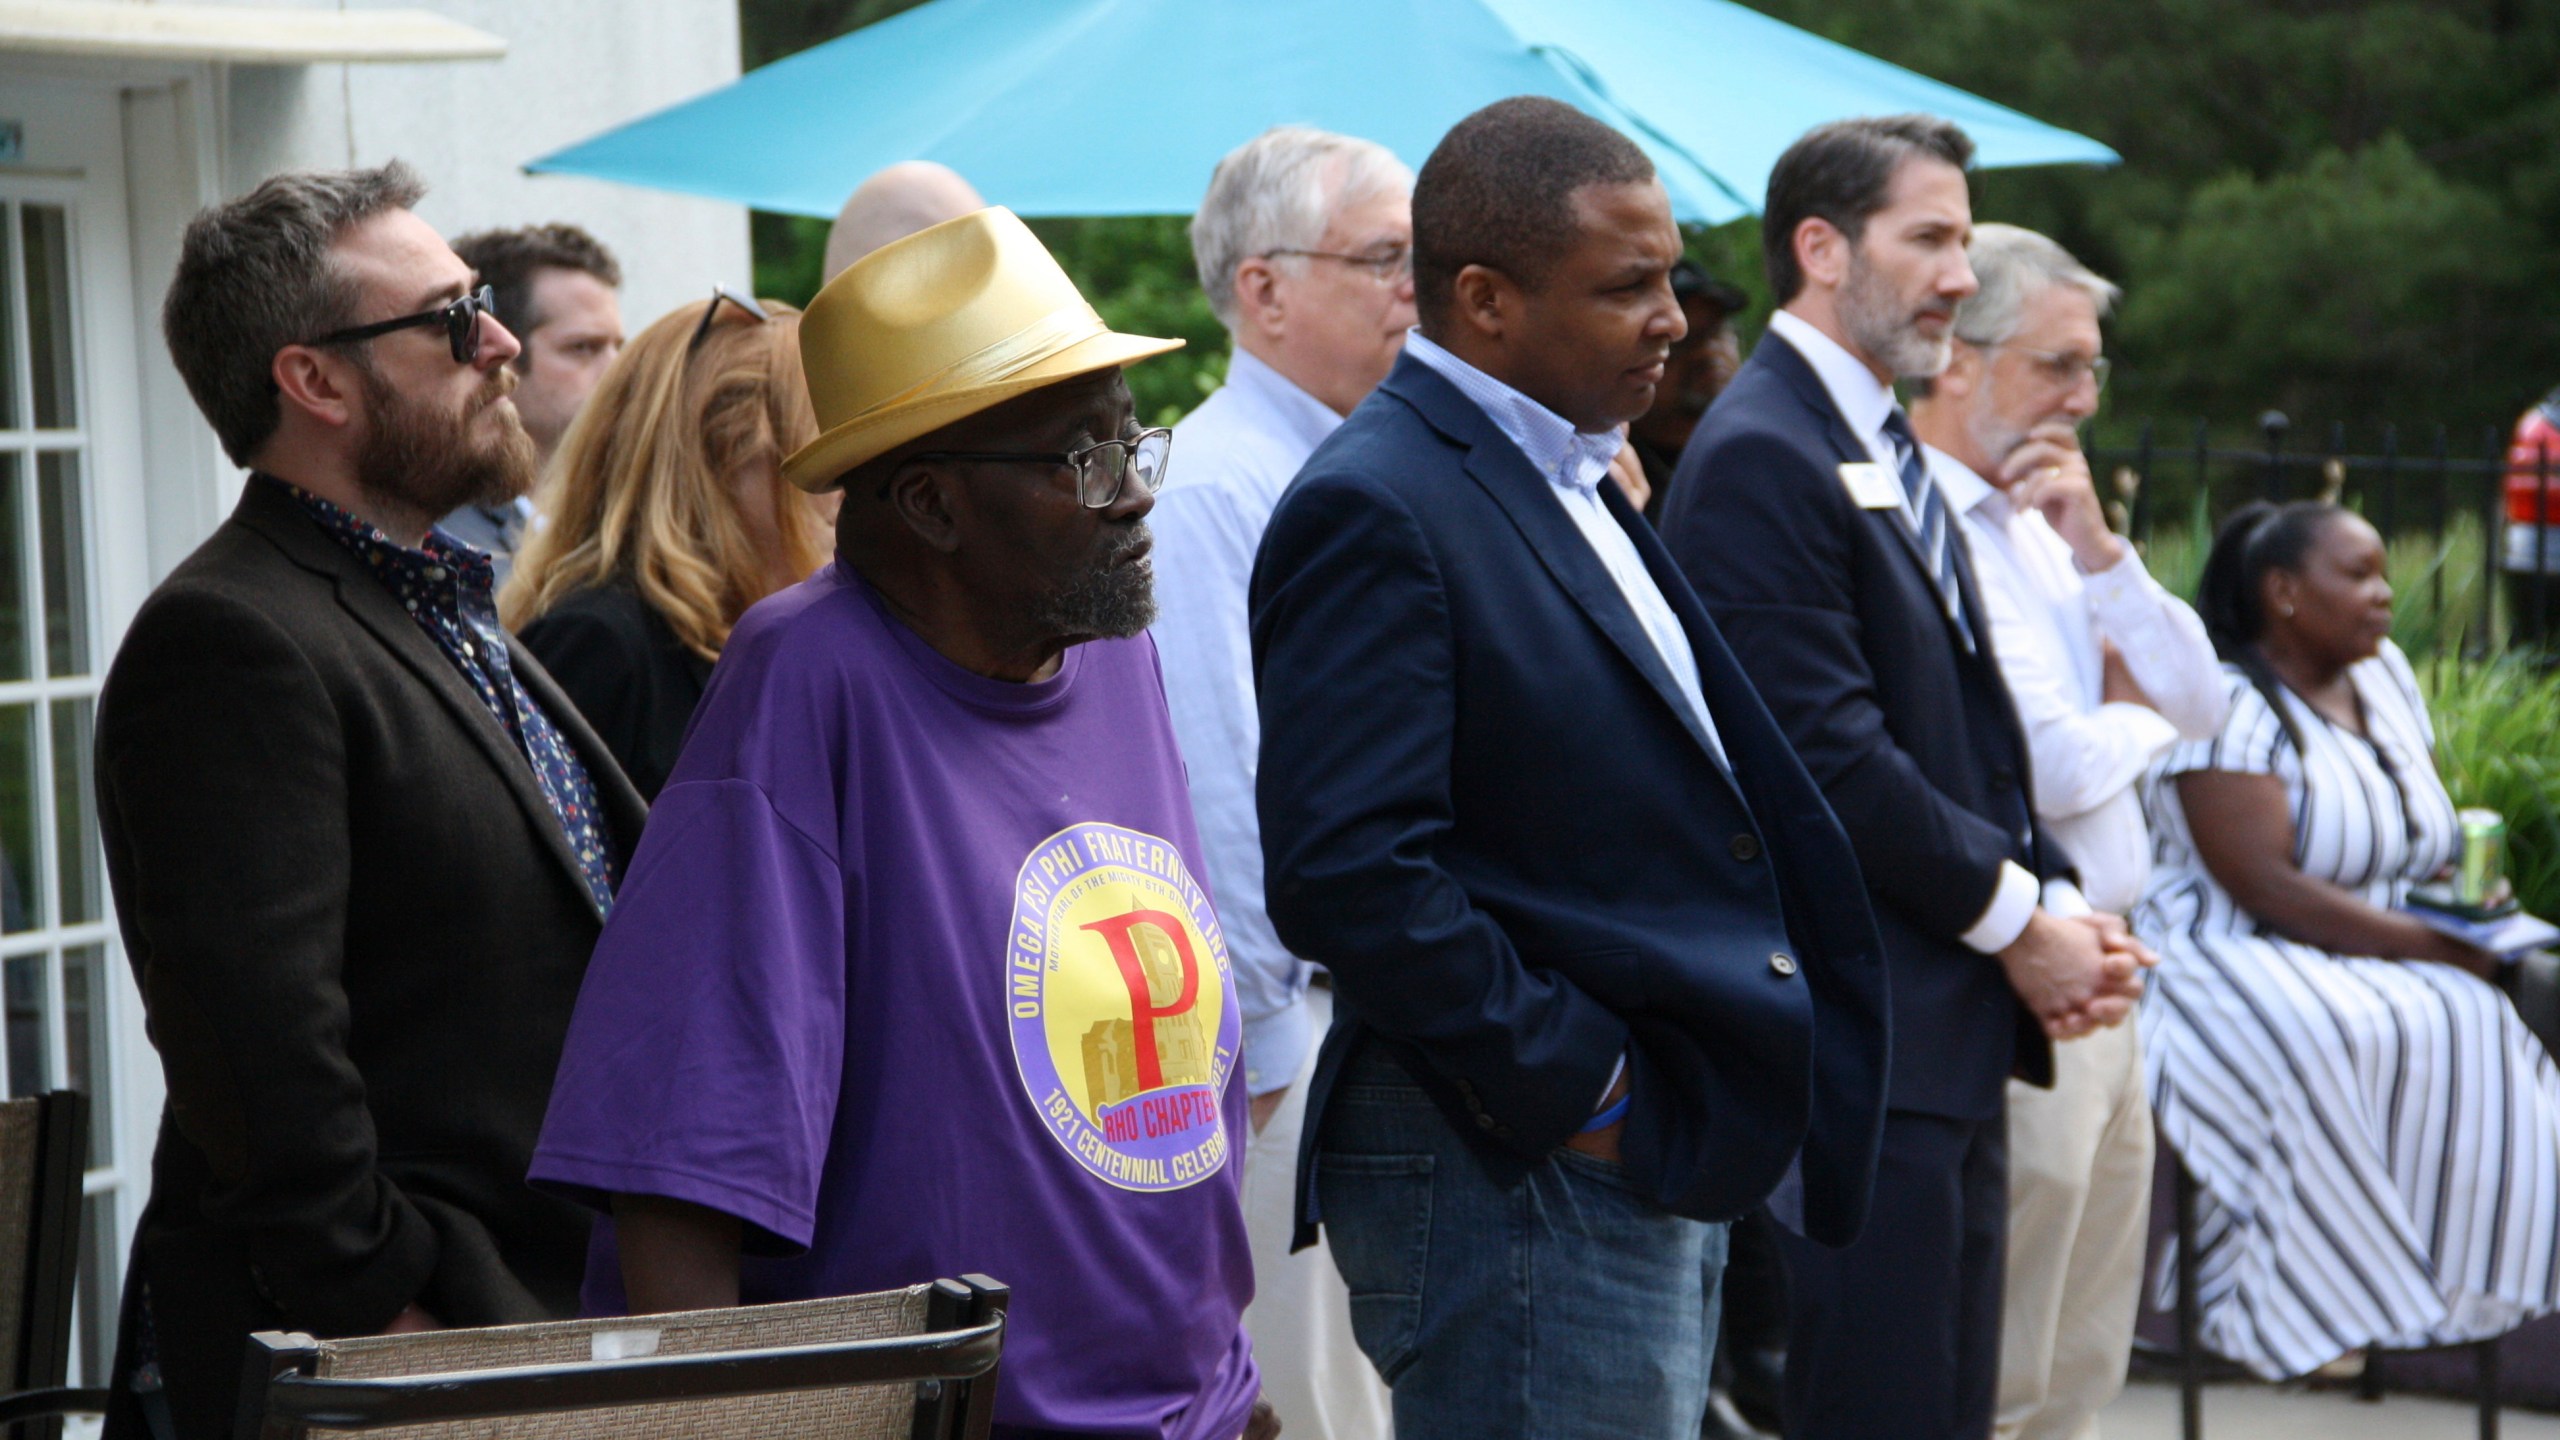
[197, 132]
[134, 147]
[573, 68]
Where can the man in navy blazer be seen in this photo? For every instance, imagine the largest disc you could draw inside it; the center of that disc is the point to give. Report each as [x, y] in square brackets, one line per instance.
[1603, 965]
[1803, 519]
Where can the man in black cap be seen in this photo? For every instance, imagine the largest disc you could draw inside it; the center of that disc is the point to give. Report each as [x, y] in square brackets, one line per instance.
[1702, 363]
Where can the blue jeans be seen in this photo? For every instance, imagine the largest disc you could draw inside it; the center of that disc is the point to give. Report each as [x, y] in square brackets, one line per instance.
[1565, 1305]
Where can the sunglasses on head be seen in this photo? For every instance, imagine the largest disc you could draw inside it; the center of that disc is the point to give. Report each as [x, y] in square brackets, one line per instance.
[711, 312]
[460, 318]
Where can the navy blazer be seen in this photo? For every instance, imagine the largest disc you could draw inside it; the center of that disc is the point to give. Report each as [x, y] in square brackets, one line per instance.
[1833, 613]
[1487, 809]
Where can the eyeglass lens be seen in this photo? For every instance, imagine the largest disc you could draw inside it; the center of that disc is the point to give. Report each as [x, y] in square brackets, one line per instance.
[1393, 264]
[2067, 369]
[462, 323]
[1110, 464]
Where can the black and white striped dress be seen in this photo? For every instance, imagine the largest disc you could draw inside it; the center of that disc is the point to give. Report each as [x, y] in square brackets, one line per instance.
[2377, 1142]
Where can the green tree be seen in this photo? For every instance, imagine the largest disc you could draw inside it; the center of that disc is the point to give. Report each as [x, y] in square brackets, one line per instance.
[2345, 209]
[2351, 287]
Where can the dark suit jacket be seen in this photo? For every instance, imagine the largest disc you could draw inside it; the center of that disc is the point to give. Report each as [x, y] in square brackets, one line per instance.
[1836, 619]
[1485, 806]
[358, 931]
[622, 665]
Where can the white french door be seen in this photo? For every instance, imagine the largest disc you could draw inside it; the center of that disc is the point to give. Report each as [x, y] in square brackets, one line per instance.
[69, 454]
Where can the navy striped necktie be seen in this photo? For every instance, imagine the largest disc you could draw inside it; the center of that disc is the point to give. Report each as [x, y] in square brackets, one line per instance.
[1930, 517]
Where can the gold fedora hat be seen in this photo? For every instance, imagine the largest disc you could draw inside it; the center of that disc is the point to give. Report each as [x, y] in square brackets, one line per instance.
[938, 326]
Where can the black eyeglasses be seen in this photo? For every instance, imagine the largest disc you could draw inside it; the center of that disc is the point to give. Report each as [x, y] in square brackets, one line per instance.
[1102, 468]
[711, 312]
[1386, 266]
[460, 318]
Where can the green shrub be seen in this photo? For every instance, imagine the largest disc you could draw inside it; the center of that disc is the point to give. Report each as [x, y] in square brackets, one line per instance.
[2429, 619]
[2496, 723]
[2437, 590]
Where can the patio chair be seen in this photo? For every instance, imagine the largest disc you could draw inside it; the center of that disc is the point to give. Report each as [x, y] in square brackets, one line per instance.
[44, 1148]
[911, 1364]
[2191, 1352]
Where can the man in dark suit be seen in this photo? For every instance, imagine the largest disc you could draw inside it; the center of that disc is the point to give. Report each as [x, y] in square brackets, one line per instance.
[1803, 516]
[360, 844]
[1584, 910]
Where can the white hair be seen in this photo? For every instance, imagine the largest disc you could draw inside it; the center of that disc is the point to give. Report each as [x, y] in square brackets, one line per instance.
[2013, 266]
[1277, 191]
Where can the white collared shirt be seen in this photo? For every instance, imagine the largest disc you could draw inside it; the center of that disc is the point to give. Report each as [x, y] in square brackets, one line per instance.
[1232, 457]
[2048, 621]
[1575, 465]
[1864, 401]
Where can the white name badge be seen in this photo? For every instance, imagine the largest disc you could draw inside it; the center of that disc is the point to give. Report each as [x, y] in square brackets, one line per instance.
[1871, 485]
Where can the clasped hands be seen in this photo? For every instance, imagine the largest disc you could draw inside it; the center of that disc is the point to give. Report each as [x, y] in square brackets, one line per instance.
[2077, 975]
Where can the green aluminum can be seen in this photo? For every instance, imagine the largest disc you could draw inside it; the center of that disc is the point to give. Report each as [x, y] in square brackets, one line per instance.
[2484, 856]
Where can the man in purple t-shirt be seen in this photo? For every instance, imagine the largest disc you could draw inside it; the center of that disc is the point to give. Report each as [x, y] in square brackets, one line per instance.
[913, 974]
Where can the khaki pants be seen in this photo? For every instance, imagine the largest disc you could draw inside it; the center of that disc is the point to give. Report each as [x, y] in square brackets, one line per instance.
[1300, 1318]
[2079, 1202]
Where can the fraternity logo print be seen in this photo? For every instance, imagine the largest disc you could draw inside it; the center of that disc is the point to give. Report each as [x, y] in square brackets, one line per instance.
[1125, 1026]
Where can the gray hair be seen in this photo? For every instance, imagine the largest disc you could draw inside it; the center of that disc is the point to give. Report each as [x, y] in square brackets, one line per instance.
[1277, 191]
[2014, 265]
[255, 275]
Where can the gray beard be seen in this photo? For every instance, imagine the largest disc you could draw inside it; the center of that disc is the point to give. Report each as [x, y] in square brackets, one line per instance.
[1109, 602]
[1989, 433]
[1877, 322]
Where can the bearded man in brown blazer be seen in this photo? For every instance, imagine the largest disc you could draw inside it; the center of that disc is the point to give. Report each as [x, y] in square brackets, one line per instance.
[361, 845]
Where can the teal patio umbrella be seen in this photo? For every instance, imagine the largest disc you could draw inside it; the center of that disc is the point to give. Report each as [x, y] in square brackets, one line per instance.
[1123, 107]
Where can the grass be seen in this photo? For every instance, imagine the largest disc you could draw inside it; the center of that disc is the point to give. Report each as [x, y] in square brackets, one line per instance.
[2495, 726]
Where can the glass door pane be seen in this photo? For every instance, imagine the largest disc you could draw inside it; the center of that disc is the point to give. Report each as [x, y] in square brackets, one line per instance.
[76, 857]
[58, 986]
[8, 324]
[22, 905]
[47, 231]
[16, 657]
[66, 563]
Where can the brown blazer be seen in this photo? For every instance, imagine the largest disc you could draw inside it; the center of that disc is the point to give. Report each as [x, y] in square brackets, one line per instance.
[358, 932]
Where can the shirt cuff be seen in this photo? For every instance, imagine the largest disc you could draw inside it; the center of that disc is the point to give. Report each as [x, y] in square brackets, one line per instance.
[2013, 903]
[2126, 573]
[2063, 900]
[1275, 1047]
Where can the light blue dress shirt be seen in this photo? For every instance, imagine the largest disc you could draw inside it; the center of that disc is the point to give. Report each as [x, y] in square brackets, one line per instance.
[1231, 459]
[1575, 465]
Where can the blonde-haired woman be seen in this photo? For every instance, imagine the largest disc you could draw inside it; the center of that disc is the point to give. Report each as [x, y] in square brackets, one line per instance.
[669, 517]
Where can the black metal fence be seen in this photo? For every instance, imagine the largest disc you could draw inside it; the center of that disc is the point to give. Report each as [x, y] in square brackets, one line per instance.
[2439, 500]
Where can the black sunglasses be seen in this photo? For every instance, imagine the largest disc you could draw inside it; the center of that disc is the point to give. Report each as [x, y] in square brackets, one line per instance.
[460, 318]
[711, 312]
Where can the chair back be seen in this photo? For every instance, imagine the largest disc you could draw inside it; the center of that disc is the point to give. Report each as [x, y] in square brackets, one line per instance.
[44, 1146]
[911, 1364]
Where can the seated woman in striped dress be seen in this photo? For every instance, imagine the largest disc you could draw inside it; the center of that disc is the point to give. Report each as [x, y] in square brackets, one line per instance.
[2375, 1133]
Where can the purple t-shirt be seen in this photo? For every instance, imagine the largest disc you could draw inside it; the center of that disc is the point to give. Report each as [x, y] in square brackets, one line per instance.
[913, 974]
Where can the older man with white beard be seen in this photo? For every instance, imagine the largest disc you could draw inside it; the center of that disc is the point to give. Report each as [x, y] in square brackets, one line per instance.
[1304, 244]
[2107, 670]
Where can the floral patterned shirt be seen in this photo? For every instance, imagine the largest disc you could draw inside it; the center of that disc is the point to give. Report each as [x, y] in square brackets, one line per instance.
[447, 588]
